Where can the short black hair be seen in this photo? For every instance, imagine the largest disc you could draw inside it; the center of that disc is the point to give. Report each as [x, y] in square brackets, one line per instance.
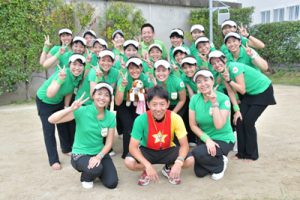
[157, 91]
[147, 25]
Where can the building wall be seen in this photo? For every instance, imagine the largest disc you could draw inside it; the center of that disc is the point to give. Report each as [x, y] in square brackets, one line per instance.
[265, 5]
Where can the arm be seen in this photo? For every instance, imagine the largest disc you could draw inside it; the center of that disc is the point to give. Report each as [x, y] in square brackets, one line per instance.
[55, 84]
[181, 102]
[53, 60]
[190, 91]
[236, 109]
[62, 116]
[120, 92]
[239, 85]
[255, 43]
[68, 100]
[46, 49]
[260, 62]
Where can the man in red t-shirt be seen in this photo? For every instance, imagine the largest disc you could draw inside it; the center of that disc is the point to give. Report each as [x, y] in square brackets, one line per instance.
[152, 141]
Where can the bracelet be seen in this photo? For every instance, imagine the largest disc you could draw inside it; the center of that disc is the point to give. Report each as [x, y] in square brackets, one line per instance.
[46, 49]
[204, 137]
[59, 81]
[229, 81]
[101, 155]
[215, 105]
[180, 158]
[57, 55]
[179, 161]
[236, 108]
[248, 36]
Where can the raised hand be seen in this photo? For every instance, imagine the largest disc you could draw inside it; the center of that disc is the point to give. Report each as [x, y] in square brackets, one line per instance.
[98, 71]
[123, 65]
[243, 31]
[203, 57]
[77, 103]
[62, 72]
[124, 79]
[212, 96]
[225, 74]
[248, 50]
[89, 57]
[47, 41]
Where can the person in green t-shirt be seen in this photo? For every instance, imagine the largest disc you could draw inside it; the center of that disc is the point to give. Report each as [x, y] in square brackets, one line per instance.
[152, 141]
[243, 54]
[117, 38]
[178, 54]
[147, 34]
[209, 113]
[174, 85]
[89, 36]
[176, 38]
[51, 59]
[127, 94]
[53, 95]
[155, 54]
[89, 154]
[256, 93]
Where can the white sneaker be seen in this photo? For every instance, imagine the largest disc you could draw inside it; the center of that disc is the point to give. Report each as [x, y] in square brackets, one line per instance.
[112, 153]
[218, 176]
[87, 185]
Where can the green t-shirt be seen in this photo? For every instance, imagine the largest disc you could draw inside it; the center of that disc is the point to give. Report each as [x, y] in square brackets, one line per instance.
[173, 85]
[255, 81]
[88, 136]
[204, 118]
[226, 51]
[117, 52]
[172, 59]
[63, 60]
[66, 88]
[144, 78]
[189, 81]
[144, 48]
[140, 130]
[194, 52]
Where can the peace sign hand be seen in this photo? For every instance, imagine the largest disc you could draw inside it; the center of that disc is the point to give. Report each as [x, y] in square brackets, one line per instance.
[89, 57]
[243, 31]
[212, 96]
[225, 74]
[248, 50]
[62, 72]
[62, 49]
[203, 57]
[47, 41]
[122, 63]
[77, 103]
[124, 80]
[99, 73]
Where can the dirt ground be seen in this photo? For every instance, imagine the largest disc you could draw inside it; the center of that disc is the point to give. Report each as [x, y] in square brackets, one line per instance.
[25, 173]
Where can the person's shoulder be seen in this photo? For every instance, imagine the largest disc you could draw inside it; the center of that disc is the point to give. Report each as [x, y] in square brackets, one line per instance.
[109, 113]
[221, 95]
[141, 118]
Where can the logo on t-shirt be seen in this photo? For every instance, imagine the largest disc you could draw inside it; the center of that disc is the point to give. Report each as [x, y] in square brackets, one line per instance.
[181, 84]
[227, 103]
[235, 70]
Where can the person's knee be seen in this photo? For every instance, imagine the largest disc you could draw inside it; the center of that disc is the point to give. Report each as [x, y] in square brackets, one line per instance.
[111, 184]
[130, 163]
[199, 154]
[96, 171]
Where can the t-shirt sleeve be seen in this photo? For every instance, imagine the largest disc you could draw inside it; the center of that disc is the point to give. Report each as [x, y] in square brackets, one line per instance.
[79, 112]
[224, 103]
[180, 84]
[236, 69]
[54, 50]
[179, 128]
[138, 128]
[112, 118]
[92, 76]
[192, 103]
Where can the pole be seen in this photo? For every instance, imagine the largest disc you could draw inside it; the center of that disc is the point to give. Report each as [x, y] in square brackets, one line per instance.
[211, 20]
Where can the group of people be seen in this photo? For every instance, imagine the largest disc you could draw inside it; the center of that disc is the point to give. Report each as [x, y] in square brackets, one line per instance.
[178, 108]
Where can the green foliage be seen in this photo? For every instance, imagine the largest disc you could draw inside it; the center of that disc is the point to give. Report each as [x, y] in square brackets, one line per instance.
[201, 16]
[282, 40]
[121, 16]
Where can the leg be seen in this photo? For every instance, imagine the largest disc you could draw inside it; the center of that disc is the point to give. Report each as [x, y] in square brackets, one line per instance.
[109, 175]
[66, 132]
[249, 120]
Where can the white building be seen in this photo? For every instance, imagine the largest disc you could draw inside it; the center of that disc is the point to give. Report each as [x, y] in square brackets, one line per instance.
[266, 11]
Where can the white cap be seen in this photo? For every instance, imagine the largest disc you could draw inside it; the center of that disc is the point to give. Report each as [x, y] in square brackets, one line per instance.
[80, 39]
[64, 30]
[197, 27]
[215, 54]
[163, 63]
[116, 32]
[75, 57]
[182, 49]
[134, 60]
[201, 39]
[154, 45]
[91, 32]
[232, 34]
[107, 52]
[101, 41]
[178, 31]
[229, 23]
[190, 60]
[203, 72]
[131, 42]
[104, 85]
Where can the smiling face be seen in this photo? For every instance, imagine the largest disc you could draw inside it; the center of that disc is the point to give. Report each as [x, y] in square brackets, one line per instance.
[218, 64]
[76, 68]
[130, 51]
[233, 44]
[162, 73]
[65, 38]
[97, 48]
[189, 70]
[106, 63]
[179, 56]
[203, 48]
[158, 107]
[78, 48]
[227, 29]
[196, 34]
[204, 84]
[134, 71]
[176, 41]
[101, 98]
[155, 54]
[118, 40]
[89, 38]
[147, 34]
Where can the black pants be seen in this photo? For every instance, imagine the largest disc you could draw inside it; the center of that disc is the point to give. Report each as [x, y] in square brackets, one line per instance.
[44, 111]
[106, 171]
[127, 116]
[206, 164]
[246, 131]
[191, 136]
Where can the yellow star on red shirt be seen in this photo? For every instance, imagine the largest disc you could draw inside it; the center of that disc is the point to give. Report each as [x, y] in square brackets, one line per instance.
[159, 137]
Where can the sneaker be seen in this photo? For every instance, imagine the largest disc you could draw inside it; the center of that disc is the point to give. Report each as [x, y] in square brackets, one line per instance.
[218, 176]
[144, 179]
[87, 185]
[166, 172]
[112, 153]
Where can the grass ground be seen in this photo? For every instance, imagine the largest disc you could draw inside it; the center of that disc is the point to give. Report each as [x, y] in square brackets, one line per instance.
[286, 77]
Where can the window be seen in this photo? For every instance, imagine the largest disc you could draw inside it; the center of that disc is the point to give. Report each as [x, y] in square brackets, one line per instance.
[278, 15]
[265, 16]
[293, 12]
